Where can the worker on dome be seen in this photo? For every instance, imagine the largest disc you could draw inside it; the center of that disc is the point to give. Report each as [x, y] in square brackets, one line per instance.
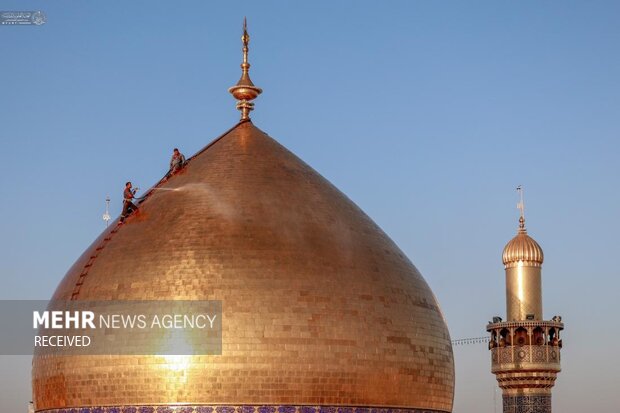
[177, 162]
[128, 206]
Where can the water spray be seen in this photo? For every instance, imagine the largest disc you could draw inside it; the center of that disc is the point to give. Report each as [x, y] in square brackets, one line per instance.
[166, 189]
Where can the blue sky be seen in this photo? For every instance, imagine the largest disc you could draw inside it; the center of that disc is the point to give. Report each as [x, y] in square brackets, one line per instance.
[426, 114]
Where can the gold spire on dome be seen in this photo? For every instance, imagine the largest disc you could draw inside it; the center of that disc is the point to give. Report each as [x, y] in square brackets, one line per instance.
[245, 91]
[522, 248]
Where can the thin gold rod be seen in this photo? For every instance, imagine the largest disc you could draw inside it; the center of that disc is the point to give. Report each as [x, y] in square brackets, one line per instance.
[521, 206]
[246, 40]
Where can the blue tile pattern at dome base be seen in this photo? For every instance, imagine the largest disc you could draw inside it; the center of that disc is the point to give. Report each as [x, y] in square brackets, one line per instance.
[248, 409]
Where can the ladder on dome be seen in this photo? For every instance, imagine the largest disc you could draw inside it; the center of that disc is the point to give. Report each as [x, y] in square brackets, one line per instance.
[91, 261]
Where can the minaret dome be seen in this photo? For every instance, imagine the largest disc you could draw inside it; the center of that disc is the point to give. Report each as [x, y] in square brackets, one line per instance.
[522, 248]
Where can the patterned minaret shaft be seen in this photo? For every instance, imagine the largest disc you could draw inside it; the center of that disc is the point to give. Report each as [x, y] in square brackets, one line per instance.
[525, 349]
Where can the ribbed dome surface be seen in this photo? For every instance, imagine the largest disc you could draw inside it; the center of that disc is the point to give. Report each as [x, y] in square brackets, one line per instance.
[522, 248]
[320, 307]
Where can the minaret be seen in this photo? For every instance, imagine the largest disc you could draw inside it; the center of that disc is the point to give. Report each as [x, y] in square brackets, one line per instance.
[525, 349]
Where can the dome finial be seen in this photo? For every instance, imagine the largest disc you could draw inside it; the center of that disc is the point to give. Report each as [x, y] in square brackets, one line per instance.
[522, 248]
[245, 91]
[521, 206]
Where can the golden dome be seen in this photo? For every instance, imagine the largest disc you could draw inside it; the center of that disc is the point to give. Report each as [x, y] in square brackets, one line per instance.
[522, 248]
[320, 307]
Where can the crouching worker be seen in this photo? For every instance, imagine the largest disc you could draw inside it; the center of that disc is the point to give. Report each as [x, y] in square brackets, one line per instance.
[128, 206]
[177, 162]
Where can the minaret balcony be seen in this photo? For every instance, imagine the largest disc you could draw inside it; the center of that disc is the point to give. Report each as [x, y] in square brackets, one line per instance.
[525, 345]
[527, 357]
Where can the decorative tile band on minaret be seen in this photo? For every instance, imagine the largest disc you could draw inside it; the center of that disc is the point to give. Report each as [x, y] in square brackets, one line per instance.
[525, 350]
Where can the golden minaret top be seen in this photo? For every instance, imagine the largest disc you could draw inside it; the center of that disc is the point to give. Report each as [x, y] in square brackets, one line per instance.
[525, 349]
[245, 91]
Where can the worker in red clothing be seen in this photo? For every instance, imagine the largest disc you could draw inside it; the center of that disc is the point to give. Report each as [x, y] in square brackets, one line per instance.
[128, 206]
